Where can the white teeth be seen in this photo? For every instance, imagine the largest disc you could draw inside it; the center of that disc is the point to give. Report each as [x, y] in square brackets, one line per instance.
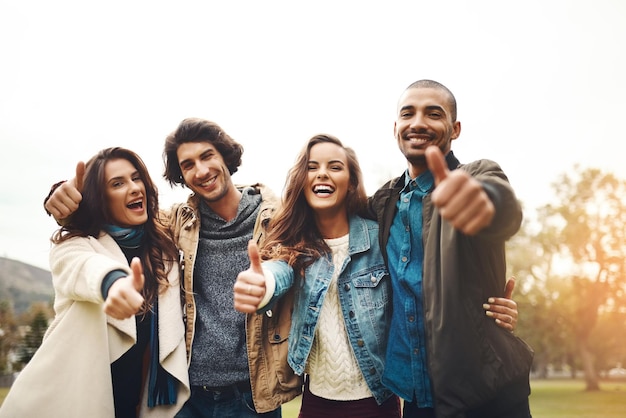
[207, 183]
[138, 202]
[322, 188]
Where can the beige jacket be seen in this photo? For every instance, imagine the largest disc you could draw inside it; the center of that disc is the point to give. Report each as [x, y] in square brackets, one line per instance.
[70, 374]
[273, 381]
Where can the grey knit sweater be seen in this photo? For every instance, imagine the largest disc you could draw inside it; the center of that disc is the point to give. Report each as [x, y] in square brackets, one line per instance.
[219, 345]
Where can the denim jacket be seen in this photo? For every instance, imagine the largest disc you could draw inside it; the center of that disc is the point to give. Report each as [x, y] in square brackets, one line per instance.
[365, 298]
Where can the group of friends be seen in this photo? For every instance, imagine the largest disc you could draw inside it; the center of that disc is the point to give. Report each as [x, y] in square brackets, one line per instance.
[237, 300]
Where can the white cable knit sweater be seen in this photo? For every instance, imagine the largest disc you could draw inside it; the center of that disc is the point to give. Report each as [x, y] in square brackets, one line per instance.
[332, 368]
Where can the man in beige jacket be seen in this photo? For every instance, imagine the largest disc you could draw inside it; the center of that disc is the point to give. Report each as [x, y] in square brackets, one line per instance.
[237, 362]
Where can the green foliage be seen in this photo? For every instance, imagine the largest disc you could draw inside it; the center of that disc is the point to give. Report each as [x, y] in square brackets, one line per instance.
[8, 336]
[571, 271]
[32, 339]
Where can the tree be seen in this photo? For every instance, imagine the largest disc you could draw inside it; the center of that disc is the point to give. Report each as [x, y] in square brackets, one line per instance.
[543, 324]
[33, 337]
[8, 336]
[588, 229]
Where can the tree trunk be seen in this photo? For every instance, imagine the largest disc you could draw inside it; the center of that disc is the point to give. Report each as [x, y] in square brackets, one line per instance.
[591, 377]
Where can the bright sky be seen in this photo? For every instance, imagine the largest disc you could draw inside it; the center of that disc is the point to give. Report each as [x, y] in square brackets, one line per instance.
[540, 87]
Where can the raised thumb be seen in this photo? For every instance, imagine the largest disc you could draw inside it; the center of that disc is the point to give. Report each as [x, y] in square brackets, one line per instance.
[436, 163]
[80, 175]
[138, 278]
[255, 258]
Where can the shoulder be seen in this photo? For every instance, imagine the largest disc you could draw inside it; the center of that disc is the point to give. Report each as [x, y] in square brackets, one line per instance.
[362, 228]
[370, 224]
[481, 166]
[381, 196]
[267, 194]
[103, 240]
[180, 213]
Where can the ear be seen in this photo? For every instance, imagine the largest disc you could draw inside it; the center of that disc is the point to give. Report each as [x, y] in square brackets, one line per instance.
[456, 132]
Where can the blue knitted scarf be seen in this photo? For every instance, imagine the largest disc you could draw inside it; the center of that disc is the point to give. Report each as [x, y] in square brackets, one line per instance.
[162, 386]
[126, 237]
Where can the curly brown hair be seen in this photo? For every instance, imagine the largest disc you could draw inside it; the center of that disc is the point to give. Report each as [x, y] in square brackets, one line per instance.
[199, 130]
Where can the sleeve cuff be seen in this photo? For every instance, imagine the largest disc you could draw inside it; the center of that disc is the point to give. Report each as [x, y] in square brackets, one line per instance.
[270, 287]
[108, 281]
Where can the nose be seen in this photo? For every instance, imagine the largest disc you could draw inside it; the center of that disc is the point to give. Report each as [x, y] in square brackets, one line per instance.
[201, 170]
[418, 121]
[321, 173]
[134, 187]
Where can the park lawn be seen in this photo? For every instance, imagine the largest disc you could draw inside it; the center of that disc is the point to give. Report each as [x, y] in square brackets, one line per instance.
[3, 394]
[568, 399]
[549, 399]
[555, 399]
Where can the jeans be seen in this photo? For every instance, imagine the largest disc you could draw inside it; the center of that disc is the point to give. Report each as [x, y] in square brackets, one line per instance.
[217, 404]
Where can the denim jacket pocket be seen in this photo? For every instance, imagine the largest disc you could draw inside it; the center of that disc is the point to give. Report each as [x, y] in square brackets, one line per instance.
[372, 290]
[372, 279]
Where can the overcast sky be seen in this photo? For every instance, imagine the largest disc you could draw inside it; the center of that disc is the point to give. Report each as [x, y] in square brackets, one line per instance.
[540, 87]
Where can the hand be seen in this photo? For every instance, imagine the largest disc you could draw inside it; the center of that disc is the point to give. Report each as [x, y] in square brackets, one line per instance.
[250, 285]
[461, 199]
[504, 310]
[65, 199]
[124, 299]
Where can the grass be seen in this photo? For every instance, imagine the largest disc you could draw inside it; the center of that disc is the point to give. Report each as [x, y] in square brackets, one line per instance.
[549, 399]
[556, 399]
[568, 399]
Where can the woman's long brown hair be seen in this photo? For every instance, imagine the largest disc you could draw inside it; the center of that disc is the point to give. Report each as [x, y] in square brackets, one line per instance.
[158, 252]
[293, 234]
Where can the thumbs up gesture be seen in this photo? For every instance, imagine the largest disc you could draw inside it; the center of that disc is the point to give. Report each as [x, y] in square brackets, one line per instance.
[250, 284]
[124, 299]
[65, 199]
[461, 199]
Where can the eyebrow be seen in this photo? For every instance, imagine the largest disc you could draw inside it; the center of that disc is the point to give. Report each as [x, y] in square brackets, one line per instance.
[133, 174]
[428, 108]
[436, 107]
[202, 154]
[330, 162]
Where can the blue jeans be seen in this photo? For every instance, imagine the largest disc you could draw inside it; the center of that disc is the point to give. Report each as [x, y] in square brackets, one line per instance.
[234, 403]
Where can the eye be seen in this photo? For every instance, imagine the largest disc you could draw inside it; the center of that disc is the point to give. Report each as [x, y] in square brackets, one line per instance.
[311, 167]
[207, 155]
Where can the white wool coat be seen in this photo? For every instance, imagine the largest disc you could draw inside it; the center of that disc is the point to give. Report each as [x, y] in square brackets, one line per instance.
[70, 374]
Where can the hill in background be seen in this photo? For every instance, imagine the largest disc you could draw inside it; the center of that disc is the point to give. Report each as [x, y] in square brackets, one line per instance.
[23, 284]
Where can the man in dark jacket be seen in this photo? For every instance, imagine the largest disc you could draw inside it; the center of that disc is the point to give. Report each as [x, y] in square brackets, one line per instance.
[443, 232]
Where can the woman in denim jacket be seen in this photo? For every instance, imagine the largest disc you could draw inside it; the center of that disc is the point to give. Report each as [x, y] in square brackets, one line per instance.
[322, 248]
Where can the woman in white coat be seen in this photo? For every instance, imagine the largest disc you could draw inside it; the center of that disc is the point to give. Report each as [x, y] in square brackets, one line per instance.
[116, 345]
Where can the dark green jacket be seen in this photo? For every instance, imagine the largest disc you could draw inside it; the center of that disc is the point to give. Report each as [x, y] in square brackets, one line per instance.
[471, 361]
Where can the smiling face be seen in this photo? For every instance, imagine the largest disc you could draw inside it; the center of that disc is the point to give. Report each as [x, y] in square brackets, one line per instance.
[424, 118]
[328, 179]
[204, 170]
[125, 193]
